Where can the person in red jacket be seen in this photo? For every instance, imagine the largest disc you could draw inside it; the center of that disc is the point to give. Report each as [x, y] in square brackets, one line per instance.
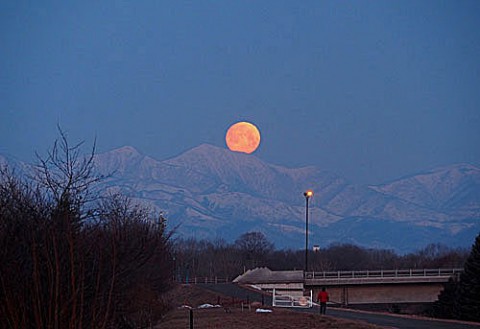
[323, 298]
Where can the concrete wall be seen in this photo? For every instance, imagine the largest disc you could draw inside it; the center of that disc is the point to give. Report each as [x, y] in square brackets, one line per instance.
[281, 286]
[368, 294]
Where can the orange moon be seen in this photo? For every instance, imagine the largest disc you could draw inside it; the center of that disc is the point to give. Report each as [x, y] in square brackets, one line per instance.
[243, 137]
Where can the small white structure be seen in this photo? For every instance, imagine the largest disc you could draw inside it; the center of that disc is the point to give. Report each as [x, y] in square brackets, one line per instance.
[287, 287]
[282, 299]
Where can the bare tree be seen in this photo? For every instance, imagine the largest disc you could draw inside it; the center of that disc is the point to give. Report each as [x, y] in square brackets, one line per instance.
[254, 247]
[65, 173]
[66, 265]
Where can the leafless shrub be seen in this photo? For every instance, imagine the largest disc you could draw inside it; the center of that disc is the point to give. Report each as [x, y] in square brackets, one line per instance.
[66, 265]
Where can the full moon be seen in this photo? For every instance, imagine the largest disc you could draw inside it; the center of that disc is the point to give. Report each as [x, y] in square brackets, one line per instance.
[243, 137]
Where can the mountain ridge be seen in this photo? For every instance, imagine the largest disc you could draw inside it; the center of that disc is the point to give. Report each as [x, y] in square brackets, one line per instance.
[209, 192]
[239, 189]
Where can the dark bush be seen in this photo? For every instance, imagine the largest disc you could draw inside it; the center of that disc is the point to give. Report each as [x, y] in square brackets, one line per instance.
[69, 261]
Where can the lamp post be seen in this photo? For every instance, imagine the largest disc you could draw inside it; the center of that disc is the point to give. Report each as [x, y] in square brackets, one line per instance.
[308, 194]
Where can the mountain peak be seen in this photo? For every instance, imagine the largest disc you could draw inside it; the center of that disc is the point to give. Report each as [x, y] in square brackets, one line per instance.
[441, 188]
[460, 167]
[126, 150]
[118, 160]
[212, 154]
[206, 149]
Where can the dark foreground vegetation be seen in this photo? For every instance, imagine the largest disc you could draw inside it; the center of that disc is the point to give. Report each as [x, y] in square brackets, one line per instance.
[71, 260]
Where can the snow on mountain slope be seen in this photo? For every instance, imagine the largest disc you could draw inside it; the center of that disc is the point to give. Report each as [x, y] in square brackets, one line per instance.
[454, 190]
[209, 191]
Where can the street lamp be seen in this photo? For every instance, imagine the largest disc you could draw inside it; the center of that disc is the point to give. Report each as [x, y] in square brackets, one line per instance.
[307, 194]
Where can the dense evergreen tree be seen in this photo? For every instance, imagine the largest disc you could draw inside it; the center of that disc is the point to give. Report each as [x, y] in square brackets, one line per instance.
[444, 306]
[467, 301]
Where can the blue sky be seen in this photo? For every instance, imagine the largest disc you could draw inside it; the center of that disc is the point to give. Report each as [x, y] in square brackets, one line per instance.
[371, 90]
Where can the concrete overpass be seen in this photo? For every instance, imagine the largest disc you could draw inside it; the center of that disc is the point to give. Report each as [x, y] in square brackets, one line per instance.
[357, 287]
[381, 286]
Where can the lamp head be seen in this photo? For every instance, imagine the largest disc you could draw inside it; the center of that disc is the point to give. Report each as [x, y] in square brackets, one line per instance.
[308, 193]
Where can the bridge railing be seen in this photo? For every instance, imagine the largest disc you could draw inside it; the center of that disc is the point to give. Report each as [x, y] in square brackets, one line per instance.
[383, 273]
[197, 280]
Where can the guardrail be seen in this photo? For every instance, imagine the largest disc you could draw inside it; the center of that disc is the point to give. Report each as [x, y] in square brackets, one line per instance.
[284, 300]
[198, 280]
[383, 273]
[332, 275]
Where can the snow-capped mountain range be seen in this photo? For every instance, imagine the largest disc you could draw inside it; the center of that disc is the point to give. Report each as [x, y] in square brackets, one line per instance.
[210, 192]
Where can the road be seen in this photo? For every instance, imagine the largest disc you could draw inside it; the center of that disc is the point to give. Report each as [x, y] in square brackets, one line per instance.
[384, 320]
[394, 321]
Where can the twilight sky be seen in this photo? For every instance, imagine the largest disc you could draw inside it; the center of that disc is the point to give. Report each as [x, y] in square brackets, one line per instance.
[371, 90]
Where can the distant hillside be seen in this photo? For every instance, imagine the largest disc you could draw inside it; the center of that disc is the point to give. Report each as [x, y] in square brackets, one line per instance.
[210, 192]
[454, 190]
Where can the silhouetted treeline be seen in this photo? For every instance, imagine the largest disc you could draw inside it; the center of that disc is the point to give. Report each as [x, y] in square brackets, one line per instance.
[68, 261]
[221, 259]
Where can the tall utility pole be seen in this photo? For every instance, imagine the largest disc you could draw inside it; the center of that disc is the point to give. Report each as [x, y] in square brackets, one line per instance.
[308, 194]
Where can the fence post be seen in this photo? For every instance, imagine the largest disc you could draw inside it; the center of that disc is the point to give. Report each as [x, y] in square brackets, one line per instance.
[191, 319]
